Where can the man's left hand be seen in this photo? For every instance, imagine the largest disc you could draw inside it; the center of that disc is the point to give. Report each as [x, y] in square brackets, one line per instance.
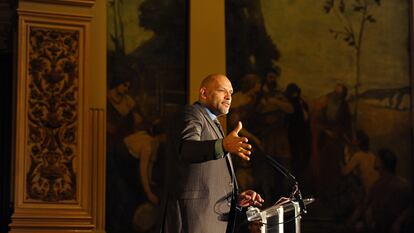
[237, 145]
[250, 198]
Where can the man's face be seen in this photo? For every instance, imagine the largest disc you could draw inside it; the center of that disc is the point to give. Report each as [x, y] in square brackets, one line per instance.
[217, 95]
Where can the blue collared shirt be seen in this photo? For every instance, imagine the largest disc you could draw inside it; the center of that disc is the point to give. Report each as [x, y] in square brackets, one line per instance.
[210, 114]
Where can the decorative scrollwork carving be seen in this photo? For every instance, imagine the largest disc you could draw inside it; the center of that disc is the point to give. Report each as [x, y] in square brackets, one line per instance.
[52, 113]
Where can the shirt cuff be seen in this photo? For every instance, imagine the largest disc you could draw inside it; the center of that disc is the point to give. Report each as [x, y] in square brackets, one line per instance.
[218, 148]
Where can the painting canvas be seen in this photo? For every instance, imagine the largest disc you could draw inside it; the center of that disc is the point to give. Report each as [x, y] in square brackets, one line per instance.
[323, 87]
[147, 67]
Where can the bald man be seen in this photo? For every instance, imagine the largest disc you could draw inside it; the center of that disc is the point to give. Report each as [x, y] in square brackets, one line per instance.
[201, 194]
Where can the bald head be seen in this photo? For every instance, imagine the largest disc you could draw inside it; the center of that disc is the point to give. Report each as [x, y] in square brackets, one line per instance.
[215, 93]
[210, 79]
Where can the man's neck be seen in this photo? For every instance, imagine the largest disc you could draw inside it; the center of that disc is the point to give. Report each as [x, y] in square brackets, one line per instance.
[209, 112]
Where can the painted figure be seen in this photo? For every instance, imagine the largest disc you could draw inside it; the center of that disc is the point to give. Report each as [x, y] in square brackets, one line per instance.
[331, 129]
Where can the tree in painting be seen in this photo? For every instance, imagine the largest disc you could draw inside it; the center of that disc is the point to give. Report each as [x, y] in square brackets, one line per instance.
[347, 13]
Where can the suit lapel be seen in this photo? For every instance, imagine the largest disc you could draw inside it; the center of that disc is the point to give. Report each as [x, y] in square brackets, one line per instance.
[220, 134]
[220, 128]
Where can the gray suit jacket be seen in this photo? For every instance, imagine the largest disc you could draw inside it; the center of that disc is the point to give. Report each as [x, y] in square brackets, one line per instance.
[200, 187]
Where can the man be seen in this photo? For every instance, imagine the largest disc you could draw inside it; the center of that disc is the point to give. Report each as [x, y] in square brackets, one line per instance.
[331, 129]
[390, 207]
[201, 194]
[362, 164]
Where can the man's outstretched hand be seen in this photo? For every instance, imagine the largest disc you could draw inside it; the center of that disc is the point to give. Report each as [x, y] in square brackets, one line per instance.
[234, 144]
[250, 198]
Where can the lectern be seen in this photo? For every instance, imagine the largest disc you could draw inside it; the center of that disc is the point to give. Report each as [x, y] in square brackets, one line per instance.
[277, 211]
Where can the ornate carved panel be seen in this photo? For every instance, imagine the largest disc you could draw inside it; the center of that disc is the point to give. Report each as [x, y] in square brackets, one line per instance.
[53, 128]
[51, 104]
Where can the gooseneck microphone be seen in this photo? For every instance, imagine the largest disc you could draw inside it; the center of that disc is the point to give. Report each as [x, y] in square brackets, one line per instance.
[296, 194]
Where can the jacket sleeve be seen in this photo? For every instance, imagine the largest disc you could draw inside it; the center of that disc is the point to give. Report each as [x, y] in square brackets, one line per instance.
[191, 148]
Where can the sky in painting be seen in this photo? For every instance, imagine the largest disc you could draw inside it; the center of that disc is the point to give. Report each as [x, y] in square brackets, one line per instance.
[135, 35]
[312, 57]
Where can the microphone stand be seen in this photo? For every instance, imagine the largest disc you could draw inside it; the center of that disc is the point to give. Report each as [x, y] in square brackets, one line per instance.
[296, 194]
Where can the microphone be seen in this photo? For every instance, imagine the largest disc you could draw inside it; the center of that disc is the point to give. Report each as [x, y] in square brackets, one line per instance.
[296, 193]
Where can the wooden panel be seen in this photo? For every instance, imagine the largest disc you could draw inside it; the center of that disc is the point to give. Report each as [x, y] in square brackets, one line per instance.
[58, 137]
[97, 127]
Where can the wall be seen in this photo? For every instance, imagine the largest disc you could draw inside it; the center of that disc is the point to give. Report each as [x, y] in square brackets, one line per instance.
[207, 42]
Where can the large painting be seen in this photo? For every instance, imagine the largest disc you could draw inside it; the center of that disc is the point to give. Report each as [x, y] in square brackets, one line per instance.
[147, 68]
[323, 87]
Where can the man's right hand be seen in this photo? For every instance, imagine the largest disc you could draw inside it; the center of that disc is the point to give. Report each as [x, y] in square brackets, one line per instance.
[234, 144]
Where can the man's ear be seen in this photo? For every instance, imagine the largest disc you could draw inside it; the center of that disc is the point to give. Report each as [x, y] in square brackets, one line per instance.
[203, 91]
